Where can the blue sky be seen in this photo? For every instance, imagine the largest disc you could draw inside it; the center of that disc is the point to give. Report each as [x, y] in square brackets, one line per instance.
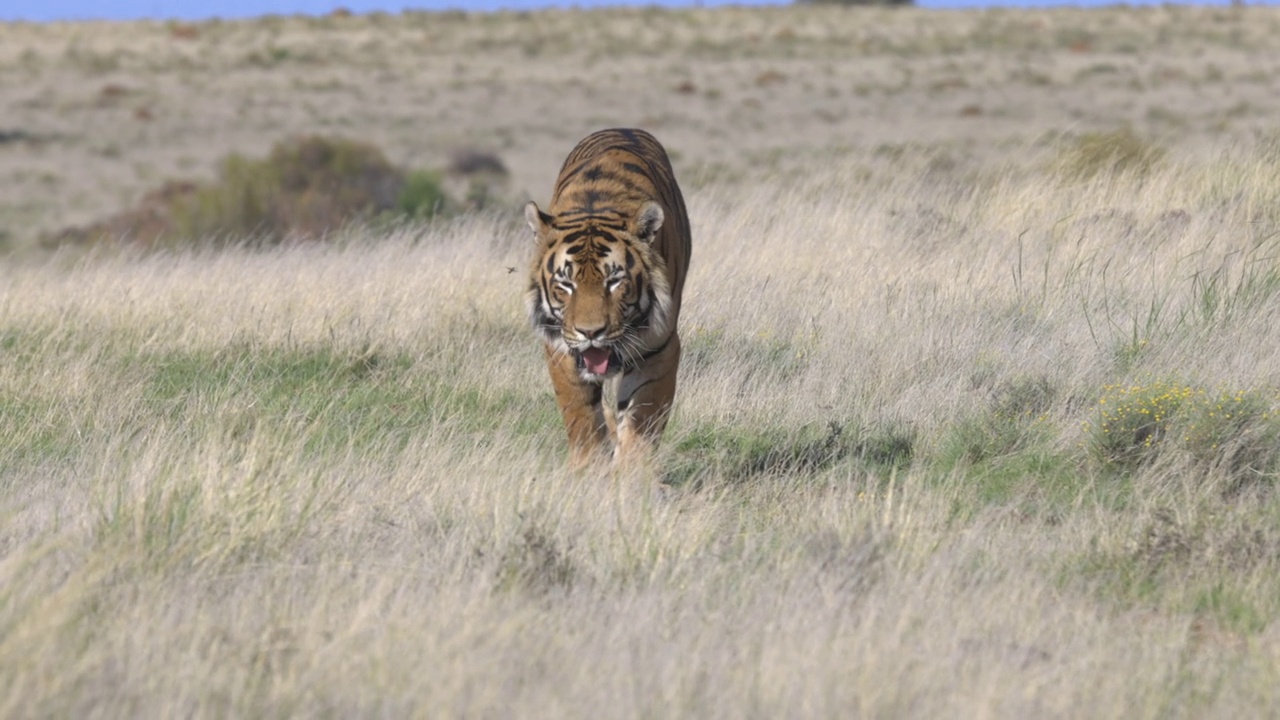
[44, 10]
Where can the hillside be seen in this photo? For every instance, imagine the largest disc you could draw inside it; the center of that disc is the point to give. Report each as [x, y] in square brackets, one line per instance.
[95, 115]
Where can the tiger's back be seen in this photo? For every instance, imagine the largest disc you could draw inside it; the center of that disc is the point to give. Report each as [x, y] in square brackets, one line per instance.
[605, 289]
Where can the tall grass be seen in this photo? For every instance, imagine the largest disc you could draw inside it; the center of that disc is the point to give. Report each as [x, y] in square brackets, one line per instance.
[328, 479]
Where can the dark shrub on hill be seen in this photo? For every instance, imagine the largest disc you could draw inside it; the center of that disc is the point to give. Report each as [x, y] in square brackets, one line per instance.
[303, 190]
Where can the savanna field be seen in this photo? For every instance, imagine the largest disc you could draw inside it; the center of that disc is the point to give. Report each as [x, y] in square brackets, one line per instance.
[978, 416]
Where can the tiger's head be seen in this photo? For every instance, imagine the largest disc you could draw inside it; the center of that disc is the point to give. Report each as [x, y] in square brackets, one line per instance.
[597, 289]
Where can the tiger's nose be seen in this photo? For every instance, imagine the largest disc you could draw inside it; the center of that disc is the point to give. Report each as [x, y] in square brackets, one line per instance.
[590, 333]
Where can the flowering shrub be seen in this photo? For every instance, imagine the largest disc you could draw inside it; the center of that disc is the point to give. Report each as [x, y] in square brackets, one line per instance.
[1237, 431]
[1132, 420]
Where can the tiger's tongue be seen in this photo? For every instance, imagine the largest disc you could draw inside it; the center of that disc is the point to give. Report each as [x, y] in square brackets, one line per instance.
[596, 360]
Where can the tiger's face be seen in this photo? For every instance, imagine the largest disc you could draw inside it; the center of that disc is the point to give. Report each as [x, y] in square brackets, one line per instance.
[595, 292]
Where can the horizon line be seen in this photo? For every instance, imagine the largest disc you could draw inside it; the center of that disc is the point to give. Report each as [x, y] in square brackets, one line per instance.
[53, 11]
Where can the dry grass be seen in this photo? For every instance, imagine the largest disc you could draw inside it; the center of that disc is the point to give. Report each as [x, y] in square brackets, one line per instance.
[327, 479]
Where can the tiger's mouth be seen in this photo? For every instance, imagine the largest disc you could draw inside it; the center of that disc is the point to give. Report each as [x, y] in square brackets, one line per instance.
[597, 361]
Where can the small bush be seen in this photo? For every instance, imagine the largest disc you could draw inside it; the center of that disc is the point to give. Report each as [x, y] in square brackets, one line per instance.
[1234, 432]
[1132, 420]
[422, 196]
[303, 190]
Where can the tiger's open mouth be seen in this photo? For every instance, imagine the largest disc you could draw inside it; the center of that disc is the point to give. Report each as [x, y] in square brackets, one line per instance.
[598, 361]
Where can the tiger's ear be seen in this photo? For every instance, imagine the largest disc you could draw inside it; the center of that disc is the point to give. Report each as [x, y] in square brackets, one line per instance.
[538, 220]
[648, 221]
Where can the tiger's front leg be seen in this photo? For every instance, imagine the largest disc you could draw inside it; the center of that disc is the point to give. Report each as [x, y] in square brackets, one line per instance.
[581, 407]
[645, 395]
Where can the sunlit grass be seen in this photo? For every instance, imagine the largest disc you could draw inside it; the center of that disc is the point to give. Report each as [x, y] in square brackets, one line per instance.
[976, 412]
[280, 481]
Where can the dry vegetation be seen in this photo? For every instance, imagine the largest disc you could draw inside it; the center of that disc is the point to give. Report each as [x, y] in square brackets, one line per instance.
[977, 416]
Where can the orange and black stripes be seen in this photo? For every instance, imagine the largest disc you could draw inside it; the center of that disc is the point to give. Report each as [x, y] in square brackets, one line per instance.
[605, 287]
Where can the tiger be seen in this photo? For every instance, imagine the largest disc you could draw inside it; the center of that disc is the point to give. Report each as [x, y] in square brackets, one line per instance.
[605, 283]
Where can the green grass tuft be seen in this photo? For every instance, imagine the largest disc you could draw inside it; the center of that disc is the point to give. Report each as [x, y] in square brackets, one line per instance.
[1107, 154]
[737, 454]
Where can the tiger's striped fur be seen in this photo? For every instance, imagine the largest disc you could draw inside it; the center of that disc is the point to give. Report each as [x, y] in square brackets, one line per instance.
[604, 291]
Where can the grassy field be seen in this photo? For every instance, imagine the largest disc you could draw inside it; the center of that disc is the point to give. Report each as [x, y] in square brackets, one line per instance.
[977, 417]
